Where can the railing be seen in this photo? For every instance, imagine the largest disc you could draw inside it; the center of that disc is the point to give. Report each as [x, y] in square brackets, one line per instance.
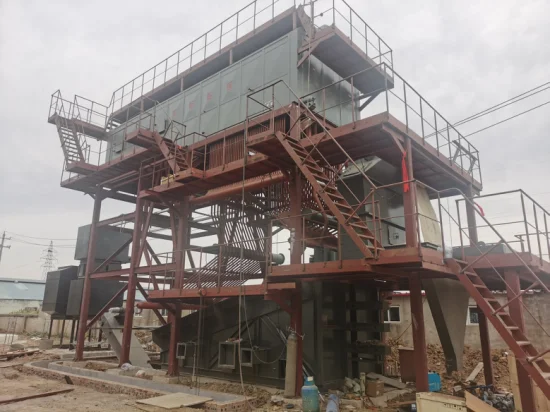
[335, 13]
[403, 102]
[80, 108]
[523, 221]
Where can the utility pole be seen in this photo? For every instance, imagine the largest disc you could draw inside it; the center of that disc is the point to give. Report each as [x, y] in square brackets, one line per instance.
[2, 246]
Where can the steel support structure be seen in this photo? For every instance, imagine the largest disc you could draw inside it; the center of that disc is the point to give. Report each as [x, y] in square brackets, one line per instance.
[181, 212]
[297, 249]
[419, 333]
[409, 199]
[90, 267]
[515, 308]
[135, 258]
[482, 319]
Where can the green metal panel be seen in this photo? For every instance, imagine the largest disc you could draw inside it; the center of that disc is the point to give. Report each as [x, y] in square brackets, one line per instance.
[221, 100]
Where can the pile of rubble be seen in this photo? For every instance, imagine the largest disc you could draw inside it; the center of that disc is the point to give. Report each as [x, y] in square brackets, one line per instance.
[145, 338]
[436, 363]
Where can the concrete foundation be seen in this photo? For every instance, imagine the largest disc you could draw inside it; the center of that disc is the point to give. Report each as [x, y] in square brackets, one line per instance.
[448, 301]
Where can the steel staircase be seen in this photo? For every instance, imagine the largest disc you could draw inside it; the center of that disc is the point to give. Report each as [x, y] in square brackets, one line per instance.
[73, 149]
[325, 187]
[524, 351]
[175, 155]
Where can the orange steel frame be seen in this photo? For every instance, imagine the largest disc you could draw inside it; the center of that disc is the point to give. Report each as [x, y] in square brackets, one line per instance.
[293, 156]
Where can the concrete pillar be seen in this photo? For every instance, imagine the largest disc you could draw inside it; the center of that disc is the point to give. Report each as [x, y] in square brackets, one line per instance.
[448, 301]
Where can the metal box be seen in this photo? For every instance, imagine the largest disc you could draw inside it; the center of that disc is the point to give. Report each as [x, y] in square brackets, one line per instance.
[108, 241]
[56, 291]
[102, 292]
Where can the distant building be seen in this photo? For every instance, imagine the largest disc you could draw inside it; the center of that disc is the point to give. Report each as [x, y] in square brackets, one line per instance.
[398, 315]
[21, 295]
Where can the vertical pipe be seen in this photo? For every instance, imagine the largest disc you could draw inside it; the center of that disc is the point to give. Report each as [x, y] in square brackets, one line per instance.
[471, 217]
[87, 289]
[405, 103]
[525, 223]
[436, 133]
[546, 235]
[419, 333]
[422, 122]
[409, 200]
[537, 230]
[515, 309]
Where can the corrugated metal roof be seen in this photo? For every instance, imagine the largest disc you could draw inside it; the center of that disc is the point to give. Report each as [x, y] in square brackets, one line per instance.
[21, 289]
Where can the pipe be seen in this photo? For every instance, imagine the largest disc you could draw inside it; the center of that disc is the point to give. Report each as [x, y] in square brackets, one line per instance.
[153, 305]
[290, 369]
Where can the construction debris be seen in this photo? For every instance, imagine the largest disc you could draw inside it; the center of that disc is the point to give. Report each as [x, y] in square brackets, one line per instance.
[175, 400]
[475, 372]
[15, 399]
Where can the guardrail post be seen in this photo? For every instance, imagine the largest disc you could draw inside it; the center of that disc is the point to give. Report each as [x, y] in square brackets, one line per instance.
[525, 223]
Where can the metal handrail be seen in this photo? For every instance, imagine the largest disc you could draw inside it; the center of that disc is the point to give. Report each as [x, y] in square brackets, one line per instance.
[173, 64]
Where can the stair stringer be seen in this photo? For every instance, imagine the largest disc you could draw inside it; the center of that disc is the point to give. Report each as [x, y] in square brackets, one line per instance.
[505, 326]
[348, 223]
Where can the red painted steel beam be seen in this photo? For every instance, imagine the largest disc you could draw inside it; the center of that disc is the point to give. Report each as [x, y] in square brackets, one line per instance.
[132, 284]
[223, 292]
[87, 289]
[155, 311]
[484, 338]
[296, 324]
[419, 334]
[515, 308]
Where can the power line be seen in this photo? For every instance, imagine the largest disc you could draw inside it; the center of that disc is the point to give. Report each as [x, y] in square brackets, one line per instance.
[39, 244]
[509, 118]
[503, 104]
[35, 237]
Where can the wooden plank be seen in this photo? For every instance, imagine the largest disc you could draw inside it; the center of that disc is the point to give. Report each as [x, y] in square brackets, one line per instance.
[475, 372]
[175, 400]
[387, 381]
[477, 405]
[36, 395]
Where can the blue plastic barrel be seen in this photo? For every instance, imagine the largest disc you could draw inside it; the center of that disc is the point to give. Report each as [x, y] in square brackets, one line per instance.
[310, 396]
[434, 382]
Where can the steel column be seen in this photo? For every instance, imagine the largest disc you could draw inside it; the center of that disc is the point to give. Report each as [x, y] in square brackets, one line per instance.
[409, 201]
[484, 338]
[485, 347]
[515, 308]
[296, 246]
[182, 243]
[296, 324]
[419, 334]
[132, 283]
[87, 290]
[471, 218]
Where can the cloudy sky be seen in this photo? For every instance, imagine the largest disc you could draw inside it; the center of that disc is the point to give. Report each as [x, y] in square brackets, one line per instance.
[462, 56]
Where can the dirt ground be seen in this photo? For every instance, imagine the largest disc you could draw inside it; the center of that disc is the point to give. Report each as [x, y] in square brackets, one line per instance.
[15, 383]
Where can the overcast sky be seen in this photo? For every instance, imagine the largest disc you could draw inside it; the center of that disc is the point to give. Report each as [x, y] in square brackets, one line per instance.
[461, 56]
